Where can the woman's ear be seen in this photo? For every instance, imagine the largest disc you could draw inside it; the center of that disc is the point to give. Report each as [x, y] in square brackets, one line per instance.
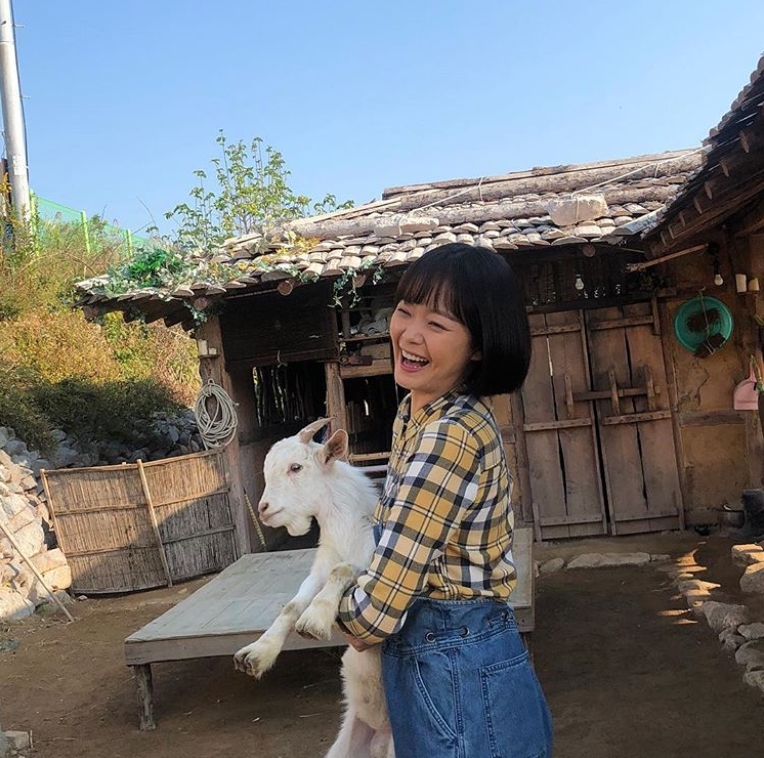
[477, 355]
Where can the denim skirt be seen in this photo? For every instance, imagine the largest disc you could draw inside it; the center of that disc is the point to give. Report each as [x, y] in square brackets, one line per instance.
[459, 684]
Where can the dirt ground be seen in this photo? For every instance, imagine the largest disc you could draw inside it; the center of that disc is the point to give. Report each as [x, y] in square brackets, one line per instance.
[627, 670]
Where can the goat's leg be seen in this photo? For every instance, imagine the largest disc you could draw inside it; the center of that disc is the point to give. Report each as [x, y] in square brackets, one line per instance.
[255, 659]
[317, 620]
[382, 744]
[354, 738]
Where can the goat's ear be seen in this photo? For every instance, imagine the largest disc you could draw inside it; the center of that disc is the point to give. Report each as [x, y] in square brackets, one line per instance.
[335, 448]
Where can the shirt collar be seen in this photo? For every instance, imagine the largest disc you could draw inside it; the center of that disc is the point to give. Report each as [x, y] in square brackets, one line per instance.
[427, 412]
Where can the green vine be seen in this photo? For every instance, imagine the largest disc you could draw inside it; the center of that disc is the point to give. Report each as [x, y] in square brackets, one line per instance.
[345, 292]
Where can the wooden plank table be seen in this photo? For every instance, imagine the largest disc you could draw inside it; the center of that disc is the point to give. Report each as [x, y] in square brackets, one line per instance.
[239, 604]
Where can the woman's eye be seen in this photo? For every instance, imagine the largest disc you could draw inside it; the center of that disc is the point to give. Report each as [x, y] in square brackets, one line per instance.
[437, 325]
[295, 467]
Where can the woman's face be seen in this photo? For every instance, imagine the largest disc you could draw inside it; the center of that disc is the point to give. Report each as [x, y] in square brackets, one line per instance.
[432, 351]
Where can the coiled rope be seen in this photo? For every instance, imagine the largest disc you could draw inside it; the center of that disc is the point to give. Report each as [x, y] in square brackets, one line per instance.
[215, 414]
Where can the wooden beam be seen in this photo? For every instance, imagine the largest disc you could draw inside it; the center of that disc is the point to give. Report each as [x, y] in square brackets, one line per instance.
[702, 217]
[751, 222]
[746, 140]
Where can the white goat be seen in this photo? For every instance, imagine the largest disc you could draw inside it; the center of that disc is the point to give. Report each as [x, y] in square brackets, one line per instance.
[305, 480]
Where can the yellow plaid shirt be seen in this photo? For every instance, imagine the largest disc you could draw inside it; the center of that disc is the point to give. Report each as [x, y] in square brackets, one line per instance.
[445, 514]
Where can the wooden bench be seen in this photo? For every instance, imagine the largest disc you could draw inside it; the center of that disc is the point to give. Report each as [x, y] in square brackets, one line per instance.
[241, 602]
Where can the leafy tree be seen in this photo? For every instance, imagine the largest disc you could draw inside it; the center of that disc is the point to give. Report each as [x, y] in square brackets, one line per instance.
[248, 192]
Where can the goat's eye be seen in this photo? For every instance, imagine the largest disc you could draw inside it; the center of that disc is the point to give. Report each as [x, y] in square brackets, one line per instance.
[295, 467]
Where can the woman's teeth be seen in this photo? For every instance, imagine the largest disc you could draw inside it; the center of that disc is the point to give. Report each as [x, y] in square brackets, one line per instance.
[409, 358]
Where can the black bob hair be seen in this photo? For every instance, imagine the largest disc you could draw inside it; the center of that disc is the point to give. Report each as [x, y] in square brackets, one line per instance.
[478, 287]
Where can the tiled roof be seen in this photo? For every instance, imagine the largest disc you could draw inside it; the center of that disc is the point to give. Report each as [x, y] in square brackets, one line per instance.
[720, 185]
[601, 202]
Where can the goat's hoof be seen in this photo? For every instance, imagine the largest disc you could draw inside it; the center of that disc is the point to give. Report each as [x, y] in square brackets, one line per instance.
[311, 630]
[251, 663]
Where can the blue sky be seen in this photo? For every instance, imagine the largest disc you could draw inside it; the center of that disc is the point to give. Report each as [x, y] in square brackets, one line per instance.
[124, 100]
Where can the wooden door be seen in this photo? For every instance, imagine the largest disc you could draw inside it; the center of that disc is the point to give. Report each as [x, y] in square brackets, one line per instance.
[596, 440]
[634, 419]
[562, 478]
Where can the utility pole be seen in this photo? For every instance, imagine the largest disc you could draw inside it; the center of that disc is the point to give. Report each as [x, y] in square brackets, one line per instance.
[13, 115]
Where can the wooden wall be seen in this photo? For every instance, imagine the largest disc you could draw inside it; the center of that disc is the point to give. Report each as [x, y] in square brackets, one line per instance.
[502, 407]
[719, 448]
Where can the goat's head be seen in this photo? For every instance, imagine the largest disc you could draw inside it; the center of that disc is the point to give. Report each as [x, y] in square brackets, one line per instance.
[296, 478]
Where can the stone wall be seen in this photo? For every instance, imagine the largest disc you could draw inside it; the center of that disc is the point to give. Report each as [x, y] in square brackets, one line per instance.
[24, 512]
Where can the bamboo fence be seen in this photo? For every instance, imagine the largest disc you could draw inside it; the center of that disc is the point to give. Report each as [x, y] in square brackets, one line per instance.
[135, 526]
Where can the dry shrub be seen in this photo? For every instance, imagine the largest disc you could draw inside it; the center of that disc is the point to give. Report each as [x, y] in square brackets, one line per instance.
[58, 369]
[58, 345]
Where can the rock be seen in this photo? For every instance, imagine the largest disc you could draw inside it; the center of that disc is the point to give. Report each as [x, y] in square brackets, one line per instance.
[30, 538]
[746, 555]
[64, 597]
[14, 605]
[732, 642]
[58, 434]
[569, 211]
[19, 740]
[40, 463]
[22, 517]
[15, 447]
[596, 560]
[59, 578]
[695, 600]
[48, 560]
[64, 456]
[754, 679]
[753, 631]
[723, 615]
[751, 655]
[753, 579]
[11, 504]
[4, 747]
[5, 436]
[685, 585]
[551, 566]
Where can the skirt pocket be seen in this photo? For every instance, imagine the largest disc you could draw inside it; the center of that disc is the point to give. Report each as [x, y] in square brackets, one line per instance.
[435, 686]
[516, 713]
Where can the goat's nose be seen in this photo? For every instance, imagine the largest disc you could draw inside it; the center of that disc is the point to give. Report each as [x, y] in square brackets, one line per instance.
[262, 507]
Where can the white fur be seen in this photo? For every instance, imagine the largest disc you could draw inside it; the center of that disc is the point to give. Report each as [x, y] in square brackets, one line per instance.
[305, 480]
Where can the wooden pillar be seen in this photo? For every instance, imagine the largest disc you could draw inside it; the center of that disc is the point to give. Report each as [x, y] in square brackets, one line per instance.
[752, 250]
[243, 393]
[335, 396]
[143, 680]
[213, 367]
[668, 345]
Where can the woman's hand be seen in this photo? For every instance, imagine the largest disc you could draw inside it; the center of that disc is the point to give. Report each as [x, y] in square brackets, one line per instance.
[356, 643]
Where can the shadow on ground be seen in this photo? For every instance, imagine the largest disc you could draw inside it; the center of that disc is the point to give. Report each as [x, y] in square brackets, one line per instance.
[628, 671]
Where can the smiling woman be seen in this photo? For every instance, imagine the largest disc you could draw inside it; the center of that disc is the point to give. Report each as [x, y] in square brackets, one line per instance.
[458, 680]
[432, 351]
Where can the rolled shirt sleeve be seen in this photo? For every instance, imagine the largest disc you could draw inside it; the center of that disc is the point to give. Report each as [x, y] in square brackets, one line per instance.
[439, 480]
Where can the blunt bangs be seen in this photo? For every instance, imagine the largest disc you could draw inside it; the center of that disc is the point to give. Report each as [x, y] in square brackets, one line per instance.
[478, 287]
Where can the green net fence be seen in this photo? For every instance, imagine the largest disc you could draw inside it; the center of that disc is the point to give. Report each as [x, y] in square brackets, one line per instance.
[54, 219]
